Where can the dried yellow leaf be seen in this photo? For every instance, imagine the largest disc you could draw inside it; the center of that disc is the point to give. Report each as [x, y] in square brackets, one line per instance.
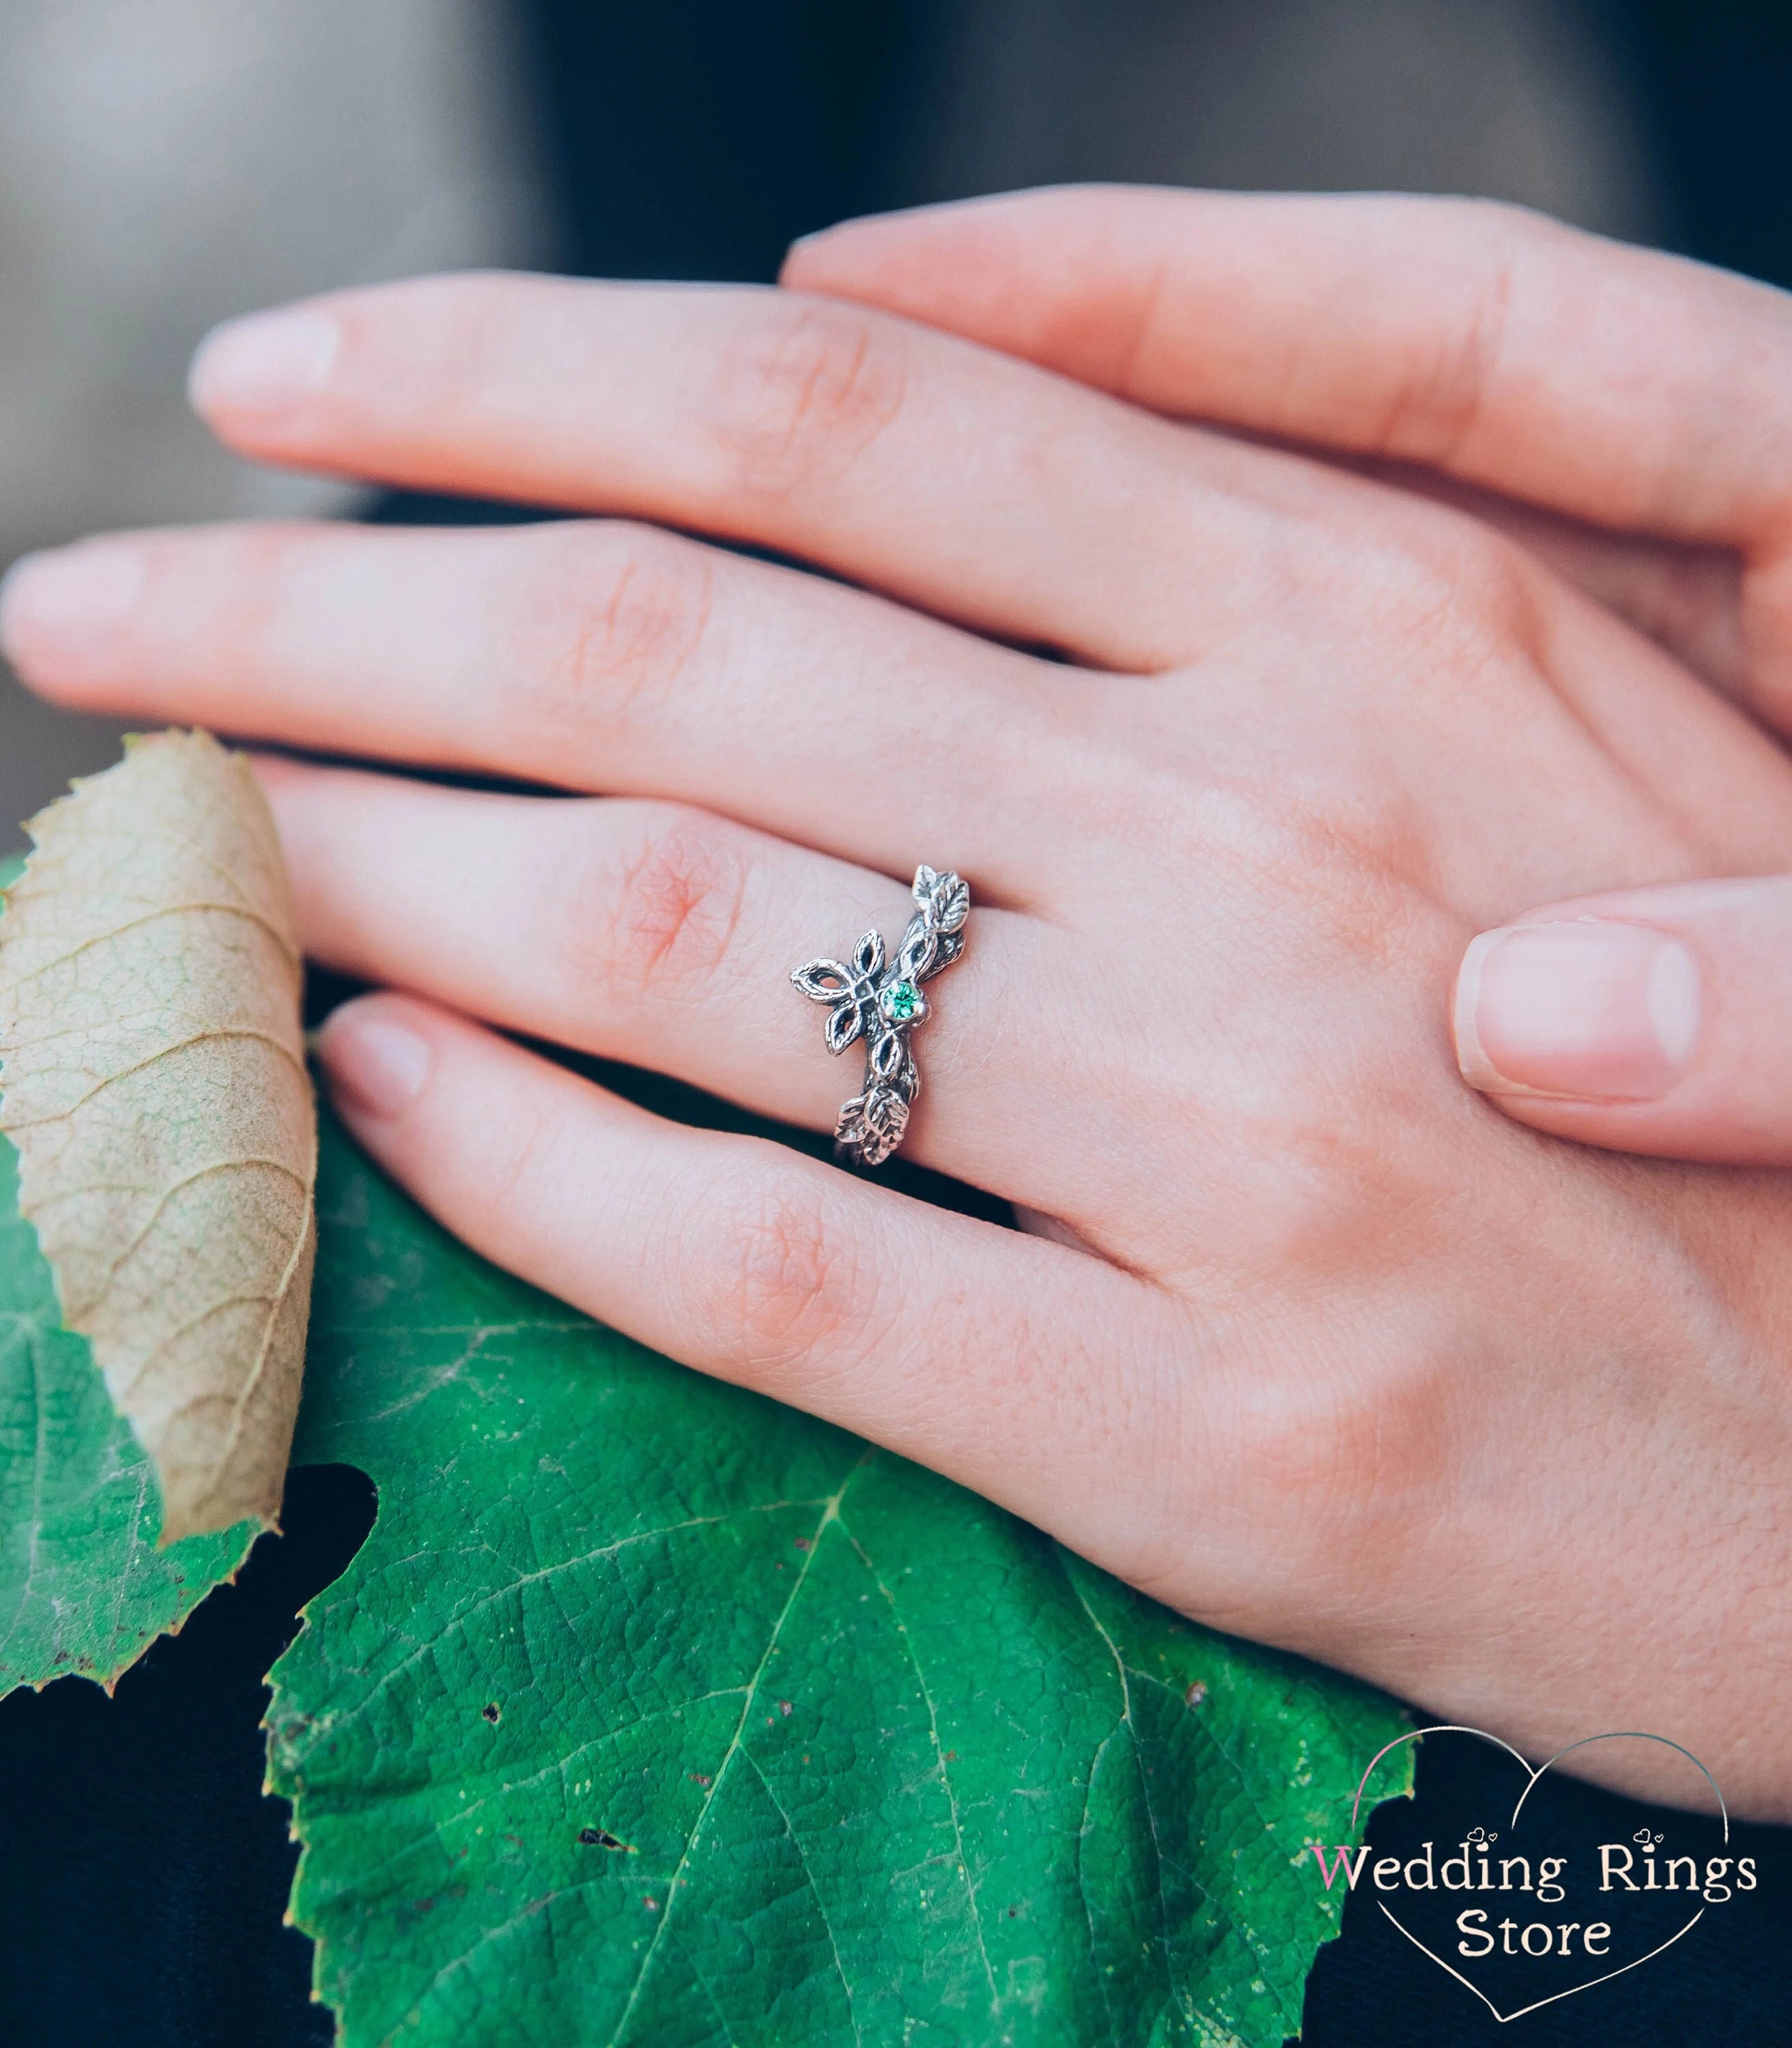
[154, 1083]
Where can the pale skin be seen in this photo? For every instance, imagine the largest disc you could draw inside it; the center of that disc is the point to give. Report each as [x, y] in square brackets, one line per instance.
[1307, 1339]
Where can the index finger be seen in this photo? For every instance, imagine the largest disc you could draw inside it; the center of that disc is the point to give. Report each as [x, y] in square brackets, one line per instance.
[979, 488]
[1635, 390]
[1626, 386]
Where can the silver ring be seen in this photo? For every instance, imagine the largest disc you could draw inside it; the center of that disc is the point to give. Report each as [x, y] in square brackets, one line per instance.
[880, 1001]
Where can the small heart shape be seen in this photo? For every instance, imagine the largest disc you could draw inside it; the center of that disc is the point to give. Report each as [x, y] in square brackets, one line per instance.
[1531, 1779]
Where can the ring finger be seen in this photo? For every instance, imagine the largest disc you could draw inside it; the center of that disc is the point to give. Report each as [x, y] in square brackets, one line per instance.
[664, 936]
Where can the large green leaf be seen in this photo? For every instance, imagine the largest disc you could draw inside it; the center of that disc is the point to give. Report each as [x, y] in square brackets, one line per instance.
[83, 1586]
[651, 1712]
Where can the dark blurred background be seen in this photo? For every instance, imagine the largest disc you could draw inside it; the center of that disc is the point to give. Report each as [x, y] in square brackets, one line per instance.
[164, 163]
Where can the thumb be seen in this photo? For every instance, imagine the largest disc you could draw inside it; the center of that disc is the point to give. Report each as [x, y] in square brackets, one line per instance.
[1649, 1020]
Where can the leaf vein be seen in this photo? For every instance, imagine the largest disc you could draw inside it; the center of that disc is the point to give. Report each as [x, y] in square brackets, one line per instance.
[830, 1514]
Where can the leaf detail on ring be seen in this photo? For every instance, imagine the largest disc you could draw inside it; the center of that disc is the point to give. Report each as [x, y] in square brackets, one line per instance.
[915, 956]
[873, 1123]
[945, 899]
[822, 980]
[845, 1021]
[867, 959]
[947, 948]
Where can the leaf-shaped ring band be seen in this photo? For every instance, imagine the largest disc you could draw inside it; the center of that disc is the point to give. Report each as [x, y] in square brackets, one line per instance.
[878, 999]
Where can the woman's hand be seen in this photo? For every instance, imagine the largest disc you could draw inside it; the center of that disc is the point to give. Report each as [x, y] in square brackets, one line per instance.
[1491, 361]
[1308, 1341]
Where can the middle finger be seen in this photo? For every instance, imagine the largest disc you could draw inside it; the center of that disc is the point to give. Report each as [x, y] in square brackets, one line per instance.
[595, 656]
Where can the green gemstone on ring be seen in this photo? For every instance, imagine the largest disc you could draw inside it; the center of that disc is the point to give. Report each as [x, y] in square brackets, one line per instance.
[900, 1001]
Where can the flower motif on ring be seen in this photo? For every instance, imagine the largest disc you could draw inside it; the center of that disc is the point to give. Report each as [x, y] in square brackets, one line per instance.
[850, 988]
[879, 1000]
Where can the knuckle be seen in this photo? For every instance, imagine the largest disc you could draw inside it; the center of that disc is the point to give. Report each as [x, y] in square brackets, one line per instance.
[675, 900]
[1312, 831]
[788, 1284]
[1295, 1453]
[610, 623]
[1448, 593]
[1441, 401]
[1352, 1466]
[807, 392]
[1451, 565]
[1364, 850]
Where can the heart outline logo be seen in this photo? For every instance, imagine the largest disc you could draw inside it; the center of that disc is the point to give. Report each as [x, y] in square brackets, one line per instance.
[1531, 1777]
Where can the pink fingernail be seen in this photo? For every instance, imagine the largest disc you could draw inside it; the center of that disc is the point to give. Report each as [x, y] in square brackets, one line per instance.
[1589, 1008]
[375, 1064]
[63, 599]
[264, 363]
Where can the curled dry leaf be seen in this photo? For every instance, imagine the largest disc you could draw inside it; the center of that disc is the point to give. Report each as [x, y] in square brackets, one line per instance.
[154, 1083]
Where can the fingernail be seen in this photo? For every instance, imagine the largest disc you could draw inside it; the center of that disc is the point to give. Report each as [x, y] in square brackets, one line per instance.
[373, 1063]
[263, 362]
[1592, 1009]
[68, 595]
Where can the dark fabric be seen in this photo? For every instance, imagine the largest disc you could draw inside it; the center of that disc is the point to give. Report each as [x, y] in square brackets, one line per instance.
[698, 138]
[1713, 80]
[1724, 1985]
[143, 1876]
